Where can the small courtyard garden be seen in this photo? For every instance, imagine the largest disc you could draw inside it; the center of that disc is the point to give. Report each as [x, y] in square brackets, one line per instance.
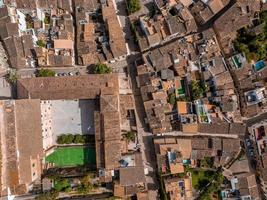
[252, 44]
[207, 182]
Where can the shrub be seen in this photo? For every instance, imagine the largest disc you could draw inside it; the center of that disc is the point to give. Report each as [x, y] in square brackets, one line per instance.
[86, 185]
[198, 89]
[12, 77]
[29, 25]
[45, 73]
[70, 138]
[52, 195]
[130, 136]
[65, 139]
[29, 21]
[47, 20]
[134, 32]
[172, 99]
[79, 139]
[61, 139]
[40, 43]
[101, 68]
[62, 185]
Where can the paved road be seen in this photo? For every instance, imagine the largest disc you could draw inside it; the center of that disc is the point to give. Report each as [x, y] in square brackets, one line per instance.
[25, 197]
[93, 196]
[253, 120]
[30, 72]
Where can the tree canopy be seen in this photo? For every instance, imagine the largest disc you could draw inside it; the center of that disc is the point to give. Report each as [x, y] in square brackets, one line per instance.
[198, 89]
[101, 68]
[62, 184]
[253, 45]
[12, 77]
[172, 98]
[133, 6]
[130, 136]
[40, 43]
[52, 195]
[86, 185]
[77, 138]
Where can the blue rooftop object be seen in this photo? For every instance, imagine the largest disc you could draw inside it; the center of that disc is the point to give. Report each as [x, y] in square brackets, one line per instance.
[171, 156]
[259, 65]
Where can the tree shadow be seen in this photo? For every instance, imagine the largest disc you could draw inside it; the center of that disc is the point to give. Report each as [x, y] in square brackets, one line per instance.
[121, 8]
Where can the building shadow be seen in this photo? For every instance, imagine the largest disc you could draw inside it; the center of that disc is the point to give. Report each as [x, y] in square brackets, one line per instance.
[87, 108]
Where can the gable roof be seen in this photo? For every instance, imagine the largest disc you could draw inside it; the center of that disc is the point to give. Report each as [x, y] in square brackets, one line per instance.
[69, 87]
[132, 175]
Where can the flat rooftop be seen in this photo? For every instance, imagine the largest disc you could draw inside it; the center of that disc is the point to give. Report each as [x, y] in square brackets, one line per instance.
[66, 117]
[73, 116]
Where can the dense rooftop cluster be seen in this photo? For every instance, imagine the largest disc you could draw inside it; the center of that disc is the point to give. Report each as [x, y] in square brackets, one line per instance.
[202, 85]
[196, 71]
[155, 99]
[99, 36]
[168, 20]
[43, 33]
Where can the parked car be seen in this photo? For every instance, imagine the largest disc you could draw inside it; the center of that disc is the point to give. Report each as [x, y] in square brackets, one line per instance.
[251, 152]
[248, 142]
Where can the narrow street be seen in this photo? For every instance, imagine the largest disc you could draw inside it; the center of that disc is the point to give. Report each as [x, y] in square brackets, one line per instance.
[145, 138]
[256, 119]
[30, 72]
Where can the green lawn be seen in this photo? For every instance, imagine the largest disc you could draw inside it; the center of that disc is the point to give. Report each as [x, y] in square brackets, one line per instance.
[72, 156]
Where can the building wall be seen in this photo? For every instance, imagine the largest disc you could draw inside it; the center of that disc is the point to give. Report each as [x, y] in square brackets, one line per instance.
[22, 21]
[9, 156]
[46, 123]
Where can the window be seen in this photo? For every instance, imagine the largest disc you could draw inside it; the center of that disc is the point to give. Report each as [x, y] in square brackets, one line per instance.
[128, 114]
[33, 165]
[248, 9]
